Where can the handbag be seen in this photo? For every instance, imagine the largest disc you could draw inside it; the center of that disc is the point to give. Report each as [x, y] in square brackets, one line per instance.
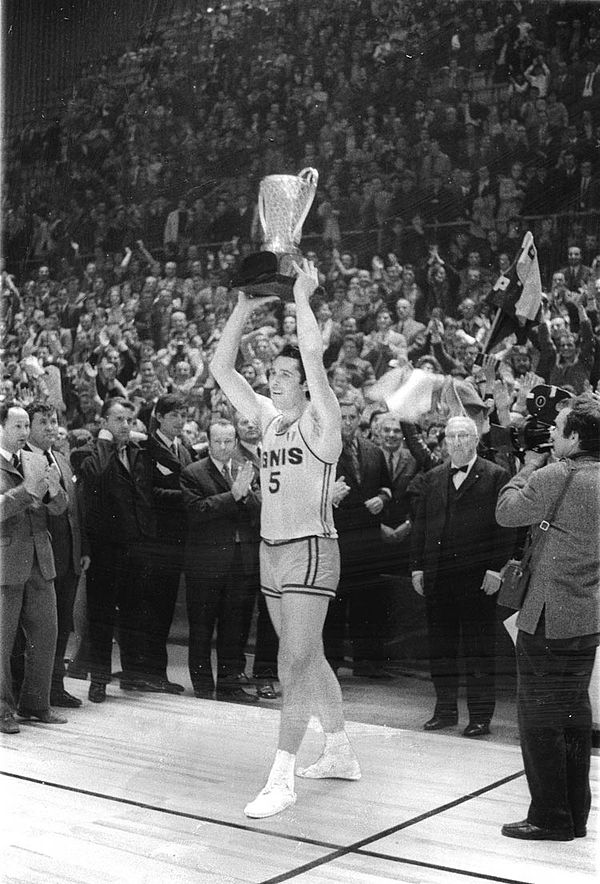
[517, 572]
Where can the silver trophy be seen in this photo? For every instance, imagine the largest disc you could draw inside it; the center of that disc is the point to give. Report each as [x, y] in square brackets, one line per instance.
[284, 201]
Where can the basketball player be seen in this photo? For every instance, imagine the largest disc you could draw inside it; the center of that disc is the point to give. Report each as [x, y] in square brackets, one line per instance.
[299, 556]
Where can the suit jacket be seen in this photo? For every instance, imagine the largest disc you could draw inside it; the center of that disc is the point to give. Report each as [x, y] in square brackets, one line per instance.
[118, 502]
[410, 328]
[69, 541]
[565, 579]
[171, 517]
[480, 543]
[358, 530]
[216, 521]
[24, 527]
[405, 469]
[576, 277]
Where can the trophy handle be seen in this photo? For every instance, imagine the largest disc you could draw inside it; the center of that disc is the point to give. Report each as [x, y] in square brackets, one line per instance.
[261, 211]
[312, 177]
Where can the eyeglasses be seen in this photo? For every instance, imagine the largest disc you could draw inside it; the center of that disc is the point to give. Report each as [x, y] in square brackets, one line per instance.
[459, 437]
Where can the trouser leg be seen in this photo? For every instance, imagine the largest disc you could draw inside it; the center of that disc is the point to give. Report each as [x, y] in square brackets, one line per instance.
[267, 643]
[11, 603]
[101, 586]
[161, 598]
[555, 730]
[202, 599]
[134, 578]
[38, 619]
[443, 638]
[65, 588]
[478, 624]
[230, 617]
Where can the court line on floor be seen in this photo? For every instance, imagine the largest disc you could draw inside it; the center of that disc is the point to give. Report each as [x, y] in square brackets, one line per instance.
[384, 833]
[338, 851]
[131, 802]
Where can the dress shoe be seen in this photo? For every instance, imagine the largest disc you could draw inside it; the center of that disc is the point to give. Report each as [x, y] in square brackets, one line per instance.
[64, 699]
[266, 692]
[161, 685]
[204, 693]
[8, 725]
[97, 692]
[171, 687]
[440, 721]
[46, 716]
[236, 695]
[528, 832]
[151, 685]
[476, 729]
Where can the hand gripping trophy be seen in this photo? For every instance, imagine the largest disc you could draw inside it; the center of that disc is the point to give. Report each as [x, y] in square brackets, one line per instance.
[284, 201]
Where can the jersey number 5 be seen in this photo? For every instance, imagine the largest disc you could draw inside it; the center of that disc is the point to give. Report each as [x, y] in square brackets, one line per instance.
[274, 482]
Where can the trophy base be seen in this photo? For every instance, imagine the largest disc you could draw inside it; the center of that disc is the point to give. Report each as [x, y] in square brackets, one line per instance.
[266, 274]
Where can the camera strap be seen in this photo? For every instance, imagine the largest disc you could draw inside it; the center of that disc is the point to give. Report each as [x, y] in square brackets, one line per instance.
[536, 541]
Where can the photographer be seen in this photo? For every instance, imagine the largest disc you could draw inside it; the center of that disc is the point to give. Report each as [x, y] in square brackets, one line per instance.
[559, 622]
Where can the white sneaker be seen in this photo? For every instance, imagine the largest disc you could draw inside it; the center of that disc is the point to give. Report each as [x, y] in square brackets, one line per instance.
[274, 798]
[336, 766]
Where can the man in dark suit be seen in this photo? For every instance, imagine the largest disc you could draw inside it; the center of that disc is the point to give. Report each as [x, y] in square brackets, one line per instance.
[220, 555]
[121, 525]
[28, 492]
[69, 543]
[362, 491]
[267, 643]
[169, 457]
[402, 467]
[455, 539]
[576, 274]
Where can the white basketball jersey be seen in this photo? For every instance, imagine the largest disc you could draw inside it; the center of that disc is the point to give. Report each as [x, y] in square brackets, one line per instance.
[296, 486]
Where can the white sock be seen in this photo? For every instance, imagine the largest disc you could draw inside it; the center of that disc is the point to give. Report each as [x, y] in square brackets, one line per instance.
[337, 742]
[283, 769]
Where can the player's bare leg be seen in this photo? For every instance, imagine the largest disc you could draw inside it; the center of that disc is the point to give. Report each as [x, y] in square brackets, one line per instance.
[338, 760]
[307, 681]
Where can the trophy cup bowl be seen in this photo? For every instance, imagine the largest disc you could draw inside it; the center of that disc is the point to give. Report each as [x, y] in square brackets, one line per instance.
[284, 201]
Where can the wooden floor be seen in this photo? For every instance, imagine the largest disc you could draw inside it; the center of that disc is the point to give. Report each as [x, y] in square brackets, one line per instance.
[151, 788]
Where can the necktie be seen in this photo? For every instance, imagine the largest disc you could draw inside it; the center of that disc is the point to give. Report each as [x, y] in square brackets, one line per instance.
[17, 464]
[52, 462]
[352, 454]
[455, 470]
[227, 475]
[391, 463]
[123, 457]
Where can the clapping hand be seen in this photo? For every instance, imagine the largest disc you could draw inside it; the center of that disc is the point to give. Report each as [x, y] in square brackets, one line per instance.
[36, 484]
[53, 479]
[243, 480]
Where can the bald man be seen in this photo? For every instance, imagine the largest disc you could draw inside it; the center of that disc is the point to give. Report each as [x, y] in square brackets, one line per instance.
[455, 539]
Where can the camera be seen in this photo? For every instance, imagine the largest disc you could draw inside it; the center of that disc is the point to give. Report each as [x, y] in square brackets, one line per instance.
[543, 404]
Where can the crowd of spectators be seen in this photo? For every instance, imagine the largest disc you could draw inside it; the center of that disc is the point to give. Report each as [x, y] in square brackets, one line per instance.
[437, 128]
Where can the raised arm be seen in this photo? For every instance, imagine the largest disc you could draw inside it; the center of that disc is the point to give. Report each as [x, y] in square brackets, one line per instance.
[324, 410]
[236, 388]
